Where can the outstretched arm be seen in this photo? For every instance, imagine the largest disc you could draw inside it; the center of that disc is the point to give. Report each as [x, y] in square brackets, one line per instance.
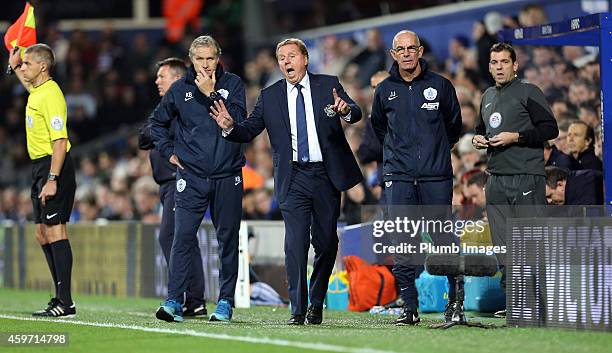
[244, 131]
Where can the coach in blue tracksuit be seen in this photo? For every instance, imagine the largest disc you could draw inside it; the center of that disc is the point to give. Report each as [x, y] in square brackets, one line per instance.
[417, 118]
[168, 71]
[209, 171]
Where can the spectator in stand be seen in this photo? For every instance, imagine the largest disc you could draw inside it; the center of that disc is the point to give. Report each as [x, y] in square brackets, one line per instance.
[265, 206]
[146, 197]
[578, 187]
[555, 158]
[580, 140]
[458, 48]
[580, 92]
[474, 190]
[371, 59]
[468, 117]
[589, 116]
[87, 207]
[532, 15]
[485, 35]
[467, 153]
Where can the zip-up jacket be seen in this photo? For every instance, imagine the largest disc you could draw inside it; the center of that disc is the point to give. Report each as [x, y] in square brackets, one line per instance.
[417, 122]
[197, 142]
[520, 107]
[163, 170]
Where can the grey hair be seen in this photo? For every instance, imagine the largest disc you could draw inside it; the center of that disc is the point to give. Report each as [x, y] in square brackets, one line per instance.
[300, 44]
[42, 53]
[204, 41]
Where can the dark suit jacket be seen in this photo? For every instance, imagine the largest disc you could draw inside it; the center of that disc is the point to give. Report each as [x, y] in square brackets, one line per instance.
[584, 187]
[561, 160]
[271, 113]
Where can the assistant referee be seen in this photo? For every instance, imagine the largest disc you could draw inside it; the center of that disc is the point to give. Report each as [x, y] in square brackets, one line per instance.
[53, 177]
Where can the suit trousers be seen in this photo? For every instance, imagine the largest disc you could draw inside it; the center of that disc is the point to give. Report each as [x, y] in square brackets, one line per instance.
[311, 206]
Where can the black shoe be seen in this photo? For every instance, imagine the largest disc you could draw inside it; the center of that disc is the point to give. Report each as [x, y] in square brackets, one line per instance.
[50, 305]
[193, 312]
[500, 314]
[60, 310]
[449, 310]
[314, 315]
[408, 318]
[296, 320]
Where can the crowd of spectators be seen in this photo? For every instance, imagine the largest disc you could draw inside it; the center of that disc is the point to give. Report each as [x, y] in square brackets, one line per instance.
[108, 84]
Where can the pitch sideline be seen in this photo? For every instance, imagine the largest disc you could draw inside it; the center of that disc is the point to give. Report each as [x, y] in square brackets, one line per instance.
[247, 339]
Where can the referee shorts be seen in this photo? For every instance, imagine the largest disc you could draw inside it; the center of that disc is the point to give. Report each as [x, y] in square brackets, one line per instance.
[57, 209]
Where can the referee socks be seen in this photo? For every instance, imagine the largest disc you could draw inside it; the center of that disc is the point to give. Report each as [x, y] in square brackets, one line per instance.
[62, 258]
[49, 256]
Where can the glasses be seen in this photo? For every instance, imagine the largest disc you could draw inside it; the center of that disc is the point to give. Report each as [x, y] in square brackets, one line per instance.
[411, 49]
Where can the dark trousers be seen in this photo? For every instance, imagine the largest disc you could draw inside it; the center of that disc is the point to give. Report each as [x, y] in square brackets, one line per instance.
[410, 194]
[194, 295]
[194, 195]
[512, 196]
[312, 205]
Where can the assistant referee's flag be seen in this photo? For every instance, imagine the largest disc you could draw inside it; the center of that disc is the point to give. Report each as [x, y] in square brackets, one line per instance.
[22, 33]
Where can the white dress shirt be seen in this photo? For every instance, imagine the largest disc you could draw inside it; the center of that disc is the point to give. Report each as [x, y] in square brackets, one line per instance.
[314, 149]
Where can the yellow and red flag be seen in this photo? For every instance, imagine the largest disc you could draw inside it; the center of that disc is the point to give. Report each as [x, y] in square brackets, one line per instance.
[22, 33]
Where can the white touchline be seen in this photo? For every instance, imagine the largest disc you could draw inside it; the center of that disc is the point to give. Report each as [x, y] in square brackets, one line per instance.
[219, 336]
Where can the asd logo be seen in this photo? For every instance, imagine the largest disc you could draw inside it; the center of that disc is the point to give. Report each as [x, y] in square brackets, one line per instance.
[430, 106]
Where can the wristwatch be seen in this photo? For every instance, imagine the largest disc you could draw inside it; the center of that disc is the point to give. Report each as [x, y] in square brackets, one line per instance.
[10, 70]
[52, 177]
[214, 95]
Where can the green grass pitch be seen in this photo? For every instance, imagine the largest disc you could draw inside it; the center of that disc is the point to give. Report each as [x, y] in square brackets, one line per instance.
[109, 325]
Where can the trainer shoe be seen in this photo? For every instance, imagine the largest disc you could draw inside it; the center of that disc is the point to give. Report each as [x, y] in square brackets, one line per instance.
[60, 310]
[198, 311]
[170, 311]
[50, 305]
[500, 314]
[223, 312]
[449, 310]
[408, 318]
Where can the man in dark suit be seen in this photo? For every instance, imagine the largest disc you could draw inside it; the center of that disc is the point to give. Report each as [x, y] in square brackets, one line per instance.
[313, 163]
[580, 140]
[576, 187]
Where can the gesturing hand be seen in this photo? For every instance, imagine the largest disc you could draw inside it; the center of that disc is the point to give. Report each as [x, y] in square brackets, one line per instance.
[221, 115]
[205, 83]
[340, 106]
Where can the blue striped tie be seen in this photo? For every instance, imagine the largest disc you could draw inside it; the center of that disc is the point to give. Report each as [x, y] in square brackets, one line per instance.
[302, 131]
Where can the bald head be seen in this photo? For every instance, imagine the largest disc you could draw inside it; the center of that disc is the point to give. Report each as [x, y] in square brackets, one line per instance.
[406, 34]
[406, 52]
